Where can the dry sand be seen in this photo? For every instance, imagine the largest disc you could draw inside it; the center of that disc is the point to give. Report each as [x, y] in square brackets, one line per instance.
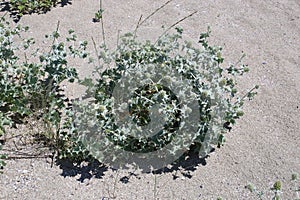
[263, 147]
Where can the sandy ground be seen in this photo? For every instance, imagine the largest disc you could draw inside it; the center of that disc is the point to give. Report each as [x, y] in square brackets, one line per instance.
[263, 147]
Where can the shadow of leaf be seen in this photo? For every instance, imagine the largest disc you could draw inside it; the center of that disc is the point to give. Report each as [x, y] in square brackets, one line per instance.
[86, 170]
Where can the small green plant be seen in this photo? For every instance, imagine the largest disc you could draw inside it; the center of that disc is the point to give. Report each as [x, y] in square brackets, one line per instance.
[99, 14]
[276, 189]
[295, 188]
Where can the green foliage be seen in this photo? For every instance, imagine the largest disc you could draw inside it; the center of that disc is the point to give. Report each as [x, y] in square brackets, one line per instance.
[33, 89]
[12, 96]
[18, 8]
[213, 87]
[2, 162]
[294, 177]
[10, 87]
[277, 190]
[98, 15]
[22, 7]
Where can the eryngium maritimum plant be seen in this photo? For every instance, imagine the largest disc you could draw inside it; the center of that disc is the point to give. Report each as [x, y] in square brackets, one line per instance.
[32, 92]
[154, 100]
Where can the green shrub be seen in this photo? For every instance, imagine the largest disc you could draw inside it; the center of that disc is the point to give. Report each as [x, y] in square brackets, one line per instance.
[194, 73]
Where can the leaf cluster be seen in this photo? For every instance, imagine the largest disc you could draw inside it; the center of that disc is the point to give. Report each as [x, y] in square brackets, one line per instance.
[27, 7]
[18, 8]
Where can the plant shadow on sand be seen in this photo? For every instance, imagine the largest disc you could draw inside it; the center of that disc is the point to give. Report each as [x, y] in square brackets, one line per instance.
[86, 170]
[186, 164]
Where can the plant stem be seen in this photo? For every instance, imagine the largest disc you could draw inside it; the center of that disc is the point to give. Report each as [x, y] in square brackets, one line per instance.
[154, 12]
[241, 58]
[140, 22]
[54, 38]
[170, 27]
[102, 24]
[254, 88]
[118, 37]
[137, 26]
[155, 187]
[97, 53]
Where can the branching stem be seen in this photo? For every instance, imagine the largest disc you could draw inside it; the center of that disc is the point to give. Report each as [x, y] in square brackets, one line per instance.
[173, 25]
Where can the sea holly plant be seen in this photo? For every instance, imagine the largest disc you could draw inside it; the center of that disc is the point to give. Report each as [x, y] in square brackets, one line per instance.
[148, 103]
[11, 95]
[155, 99]
[10, 74]
[32, 90]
